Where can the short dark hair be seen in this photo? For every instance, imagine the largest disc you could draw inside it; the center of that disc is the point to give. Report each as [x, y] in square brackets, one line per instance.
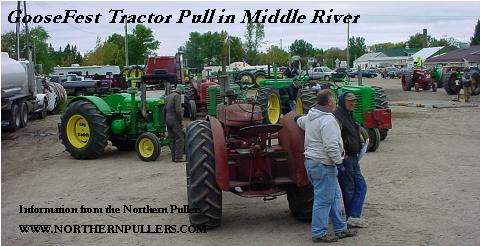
[324, 96]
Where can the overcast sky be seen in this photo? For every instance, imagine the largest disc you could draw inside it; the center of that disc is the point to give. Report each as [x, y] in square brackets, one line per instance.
[379, 22]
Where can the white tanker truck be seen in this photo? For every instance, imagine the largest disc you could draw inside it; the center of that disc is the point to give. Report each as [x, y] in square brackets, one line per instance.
[25, 94]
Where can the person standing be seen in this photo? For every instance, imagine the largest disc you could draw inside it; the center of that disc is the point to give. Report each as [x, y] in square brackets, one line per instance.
[292, 93]
[323, 151]
[174, 118]
[352, 182]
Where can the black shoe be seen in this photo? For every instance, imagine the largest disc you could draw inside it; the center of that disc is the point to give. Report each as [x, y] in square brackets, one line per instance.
[325, 239]
[346, 233]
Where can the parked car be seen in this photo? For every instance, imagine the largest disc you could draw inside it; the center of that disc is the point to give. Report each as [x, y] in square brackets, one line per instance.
[320, 73]
[365, 73]
[393, 72]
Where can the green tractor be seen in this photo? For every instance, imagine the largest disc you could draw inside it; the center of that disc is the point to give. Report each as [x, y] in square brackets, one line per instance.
[128, 121]
[371, 110]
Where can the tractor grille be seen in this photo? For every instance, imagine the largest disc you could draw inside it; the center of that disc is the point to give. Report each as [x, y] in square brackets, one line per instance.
[213, 99]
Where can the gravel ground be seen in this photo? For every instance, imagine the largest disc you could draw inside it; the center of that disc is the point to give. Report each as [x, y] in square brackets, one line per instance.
[423, 187]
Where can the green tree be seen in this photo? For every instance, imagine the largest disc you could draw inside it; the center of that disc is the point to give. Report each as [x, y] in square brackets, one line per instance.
[475, 40]
[254, 35]
[237, 53]
[193, 50]
[448, 43]
[42, 53]
[302, 48]
[357, 48]
[141, 43]
[332, 54]
[416, 40]
[376, 47]
[274, 55]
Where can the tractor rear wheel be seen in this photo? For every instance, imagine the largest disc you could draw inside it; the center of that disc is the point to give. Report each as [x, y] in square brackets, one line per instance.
[202, 189]
[381, 103]
[246, 77]
[306, 99]
[135, 71]
[450, 85]
[148, 147]
[259, 76]
[300, 202]
[84, 130]
[269, 100]
[407, 82]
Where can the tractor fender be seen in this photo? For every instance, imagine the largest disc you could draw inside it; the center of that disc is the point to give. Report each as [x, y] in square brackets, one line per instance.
[291, 138]
[99, 103]
[221, 160]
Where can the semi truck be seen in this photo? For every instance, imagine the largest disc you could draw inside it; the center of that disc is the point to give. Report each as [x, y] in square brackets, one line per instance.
[24, 94]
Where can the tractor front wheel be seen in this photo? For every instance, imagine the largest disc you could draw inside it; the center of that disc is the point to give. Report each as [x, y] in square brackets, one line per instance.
[300, 202]
[192, 108]
[374, 136]
[84, 130]
[148, 146]
[417, 87]
[202, 190]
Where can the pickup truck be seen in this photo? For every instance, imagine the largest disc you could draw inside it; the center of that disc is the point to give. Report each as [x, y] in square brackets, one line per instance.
[324, 73]
[78, 86]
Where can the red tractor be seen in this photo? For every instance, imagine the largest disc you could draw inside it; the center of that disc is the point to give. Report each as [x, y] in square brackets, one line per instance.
[196, 96]
[418, 78]
[235, 153]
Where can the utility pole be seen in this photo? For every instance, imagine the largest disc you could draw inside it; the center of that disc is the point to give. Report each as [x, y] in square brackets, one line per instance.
[229, 62]
[126, 45]
[17, 45]
[281, 46]
[348, 46]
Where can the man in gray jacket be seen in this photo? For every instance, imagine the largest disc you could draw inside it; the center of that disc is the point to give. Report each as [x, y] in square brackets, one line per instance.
[174, 118]
[323, 151]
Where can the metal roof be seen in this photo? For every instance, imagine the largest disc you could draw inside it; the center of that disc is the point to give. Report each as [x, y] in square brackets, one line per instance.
[470, 54]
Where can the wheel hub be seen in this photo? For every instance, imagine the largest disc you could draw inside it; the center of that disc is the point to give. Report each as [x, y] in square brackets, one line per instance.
[78, 131]
[146, 147]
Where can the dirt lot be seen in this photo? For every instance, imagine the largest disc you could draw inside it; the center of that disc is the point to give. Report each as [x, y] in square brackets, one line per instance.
[423, 187]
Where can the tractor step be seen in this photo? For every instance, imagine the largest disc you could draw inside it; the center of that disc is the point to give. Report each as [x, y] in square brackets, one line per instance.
[237, 183]
[282, 180]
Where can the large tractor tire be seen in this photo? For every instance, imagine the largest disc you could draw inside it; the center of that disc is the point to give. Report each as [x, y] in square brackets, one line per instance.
[373, 134]
[259, 76]
[148, 147]
[246, 77]
[84, 130]
[449, 85]
[407, 82]
[381, 103]
[300, 202]
[269, 99]
[202, 189]
[306, 99]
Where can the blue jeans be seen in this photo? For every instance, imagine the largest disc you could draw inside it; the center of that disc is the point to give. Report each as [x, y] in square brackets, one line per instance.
[354, 187]
[326, 201]
[292, 105]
